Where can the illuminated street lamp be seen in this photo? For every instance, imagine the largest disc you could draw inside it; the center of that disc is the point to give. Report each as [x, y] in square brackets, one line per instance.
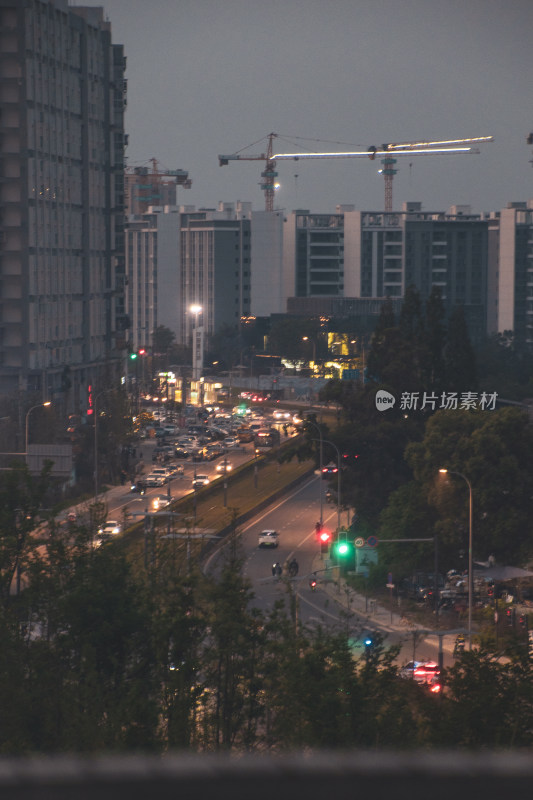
[197, 343]
[104, 391]
[310, 422]
[470, 561]
[39, 405]
[313, 342]
[326, 441]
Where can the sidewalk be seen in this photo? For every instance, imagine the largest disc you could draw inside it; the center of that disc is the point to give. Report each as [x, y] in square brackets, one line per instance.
[377, 614]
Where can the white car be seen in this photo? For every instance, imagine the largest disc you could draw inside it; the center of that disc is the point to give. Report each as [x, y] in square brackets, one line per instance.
[200, 480]
[268, 539]
[161, 501]
[155, 480]
[111, 527]
[162, 471]
[224, 466]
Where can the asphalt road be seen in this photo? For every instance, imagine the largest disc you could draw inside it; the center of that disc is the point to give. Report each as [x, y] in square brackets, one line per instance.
[332, 603]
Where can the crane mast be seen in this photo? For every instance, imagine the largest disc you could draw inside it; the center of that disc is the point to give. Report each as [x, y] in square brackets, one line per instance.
[269, 173]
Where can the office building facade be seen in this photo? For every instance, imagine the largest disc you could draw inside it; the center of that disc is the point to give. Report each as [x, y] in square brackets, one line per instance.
[511, 271]
[366, 254]
[152, 266]
[214, 268]
[62, 143]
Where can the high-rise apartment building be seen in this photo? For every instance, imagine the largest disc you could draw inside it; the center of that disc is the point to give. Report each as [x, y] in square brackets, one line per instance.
[62, 142]
[269, 289]
[152, 265]
[511, 271]
[215, 269]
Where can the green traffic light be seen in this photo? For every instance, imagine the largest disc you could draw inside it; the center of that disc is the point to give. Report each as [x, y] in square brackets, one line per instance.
[343, 549]
[133, 356]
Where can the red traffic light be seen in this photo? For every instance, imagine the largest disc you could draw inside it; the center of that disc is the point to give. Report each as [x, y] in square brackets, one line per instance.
[324, 536]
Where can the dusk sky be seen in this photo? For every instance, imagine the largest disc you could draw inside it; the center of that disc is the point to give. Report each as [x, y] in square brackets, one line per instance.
[214, 76]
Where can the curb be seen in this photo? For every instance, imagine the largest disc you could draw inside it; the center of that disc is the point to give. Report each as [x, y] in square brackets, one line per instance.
[374, 613]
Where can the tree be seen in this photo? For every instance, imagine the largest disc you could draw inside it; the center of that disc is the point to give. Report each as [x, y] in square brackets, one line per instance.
[467, 720]
[506, 364]
[435, 341]
[411, 322]
[494, 449]
[286, 338]
[459, 356]
[21, 497]
[162, 340]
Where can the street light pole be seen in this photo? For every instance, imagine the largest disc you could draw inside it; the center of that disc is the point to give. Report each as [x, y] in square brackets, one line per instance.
[197, 346]
[96, 442]
[470, 555]
[39, 405]
[313, 342]
[314, 424]
[326, 441]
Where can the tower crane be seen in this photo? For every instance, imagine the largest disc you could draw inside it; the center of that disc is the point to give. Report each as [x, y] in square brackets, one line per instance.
[269, 173]
[149, 183]
[392, 150]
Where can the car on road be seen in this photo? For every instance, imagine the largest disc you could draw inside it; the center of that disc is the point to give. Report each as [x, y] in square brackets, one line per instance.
[280, 414]
[161, 501]
[182, 452]
[163, 471]
[111, 528]
[245, 435]
[200, 480]
[268, 538]
[425, 673]
[224, 466]
[175, 469]
[155, 480]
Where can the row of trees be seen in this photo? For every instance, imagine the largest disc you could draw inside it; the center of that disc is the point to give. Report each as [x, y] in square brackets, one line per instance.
[105, 653]
[391, 459]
